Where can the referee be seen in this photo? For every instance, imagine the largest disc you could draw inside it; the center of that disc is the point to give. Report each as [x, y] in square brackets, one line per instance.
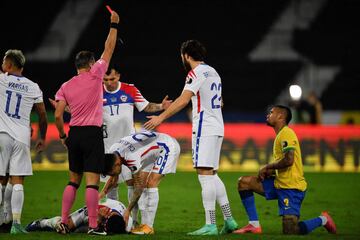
[83, 94]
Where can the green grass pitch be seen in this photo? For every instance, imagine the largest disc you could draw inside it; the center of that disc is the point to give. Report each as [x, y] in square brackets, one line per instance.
[180, 207]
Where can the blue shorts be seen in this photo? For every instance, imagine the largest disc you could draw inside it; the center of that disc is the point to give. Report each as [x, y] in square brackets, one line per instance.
[289, 200]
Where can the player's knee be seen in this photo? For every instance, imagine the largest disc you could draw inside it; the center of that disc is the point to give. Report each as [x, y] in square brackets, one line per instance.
[152, 182]
[243, 183]
[290, 224]
[18, 188]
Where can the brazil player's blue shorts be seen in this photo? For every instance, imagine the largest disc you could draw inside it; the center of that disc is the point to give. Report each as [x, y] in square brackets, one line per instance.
[289, 200]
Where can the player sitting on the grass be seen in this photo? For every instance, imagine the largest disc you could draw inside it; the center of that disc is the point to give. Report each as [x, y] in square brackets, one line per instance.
[110, 218]
[149, 156]
[282, 180]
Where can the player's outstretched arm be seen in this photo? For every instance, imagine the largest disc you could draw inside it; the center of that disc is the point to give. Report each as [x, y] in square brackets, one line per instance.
[41, 111]
[175, 107]
[111, 38]
[156, 107]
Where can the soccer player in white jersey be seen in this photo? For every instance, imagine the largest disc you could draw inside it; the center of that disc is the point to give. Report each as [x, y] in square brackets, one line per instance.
[119, 101]
[18, 95]
[149, 156]
[203, 86]
[110, 217]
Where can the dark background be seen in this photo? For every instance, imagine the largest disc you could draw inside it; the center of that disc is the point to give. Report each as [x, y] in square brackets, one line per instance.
[153, 31]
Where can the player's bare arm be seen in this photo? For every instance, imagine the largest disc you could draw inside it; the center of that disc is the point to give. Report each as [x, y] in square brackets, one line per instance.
[156, 107]
[111, 38]
[59, 121]
[110, 184]
[286, 162]
[175, 107]
[139, 185]
[41, 111]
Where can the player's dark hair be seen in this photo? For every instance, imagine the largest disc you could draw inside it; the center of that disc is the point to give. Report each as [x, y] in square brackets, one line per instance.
[16, 57]
[287, 111]
[83, 59]
[115, 225]
[194, 49]
[111, 67]
[109, 160]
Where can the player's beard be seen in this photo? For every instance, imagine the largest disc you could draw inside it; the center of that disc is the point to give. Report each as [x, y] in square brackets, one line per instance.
[269, 124]
[186, 65]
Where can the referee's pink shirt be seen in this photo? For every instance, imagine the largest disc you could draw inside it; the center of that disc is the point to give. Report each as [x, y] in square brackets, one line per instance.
[84, 93]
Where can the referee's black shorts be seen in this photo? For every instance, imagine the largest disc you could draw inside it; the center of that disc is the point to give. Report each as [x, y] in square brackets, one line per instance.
[85, 149]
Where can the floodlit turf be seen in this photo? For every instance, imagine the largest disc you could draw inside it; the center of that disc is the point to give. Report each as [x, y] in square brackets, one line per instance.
[180, 207]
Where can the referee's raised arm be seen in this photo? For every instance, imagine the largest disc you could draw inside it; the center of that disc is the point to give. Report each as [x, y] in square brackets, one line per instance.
[111, 38]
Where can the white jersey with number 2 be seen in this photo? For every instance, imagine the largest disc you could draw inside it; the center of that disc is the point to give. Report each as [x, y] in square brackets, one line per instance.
[206, 85]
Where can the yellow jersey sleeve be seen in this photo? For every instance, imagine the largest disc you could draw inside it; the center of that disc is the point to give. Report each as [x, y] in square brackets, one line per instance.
[293, 176]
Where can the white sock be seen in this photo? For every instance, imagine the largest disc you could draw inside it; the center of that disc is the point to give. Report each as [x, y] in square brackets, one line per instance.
[1, 204]
[152, 204]
[17, 201]
[1, 193]
[113, 193]
[255, 223]
[323, 220]
[221, 197]
[7, 202]
[208, 193]
[51, 222]
[142, 207]
[78, 217]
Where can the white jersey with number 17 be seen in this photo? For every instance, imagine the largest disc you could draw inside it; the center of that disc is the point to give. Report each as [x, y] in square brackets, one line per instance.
[205, 83]
[17, 97]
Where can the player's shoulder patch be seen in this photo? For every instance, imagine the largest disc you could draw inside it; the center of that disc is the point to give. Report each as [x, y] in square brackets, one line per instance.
[189, 80]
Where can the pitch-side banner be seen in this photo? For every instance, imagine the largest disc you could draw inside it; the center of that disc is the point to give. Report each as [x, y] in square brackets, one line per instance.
[246, 147]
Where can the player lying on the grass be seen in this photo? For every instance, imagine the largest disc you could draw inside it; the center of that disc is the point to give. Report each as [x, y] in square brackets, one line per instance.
[149, 156]
[110, 218]
[282, 180]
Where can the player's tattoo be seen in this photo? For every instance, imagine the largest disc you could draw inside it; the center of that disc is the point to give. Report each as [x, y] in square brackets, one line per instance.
[290, 224]
[153, 107]
[287, 161]
[138, 189]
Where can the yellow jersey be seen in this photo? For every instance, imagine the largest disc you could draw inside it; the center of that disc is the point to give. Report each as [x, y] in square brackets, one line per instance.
[291, 177]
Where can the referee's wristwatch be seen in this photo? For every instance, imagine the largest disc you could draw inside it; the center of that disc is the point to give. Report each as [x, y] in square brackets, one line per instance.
[62, 136]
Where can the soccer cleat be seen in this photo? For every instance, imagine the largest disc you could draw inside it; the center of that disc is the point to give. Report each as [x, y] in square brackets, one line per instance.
[96, 231]
[143, 229]
[207, 229]
[36, 226]
[230, 225]
[330, 224]
[249, 229]
[136, 228]
[16, 228]
[33, 226]
[62, 228]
